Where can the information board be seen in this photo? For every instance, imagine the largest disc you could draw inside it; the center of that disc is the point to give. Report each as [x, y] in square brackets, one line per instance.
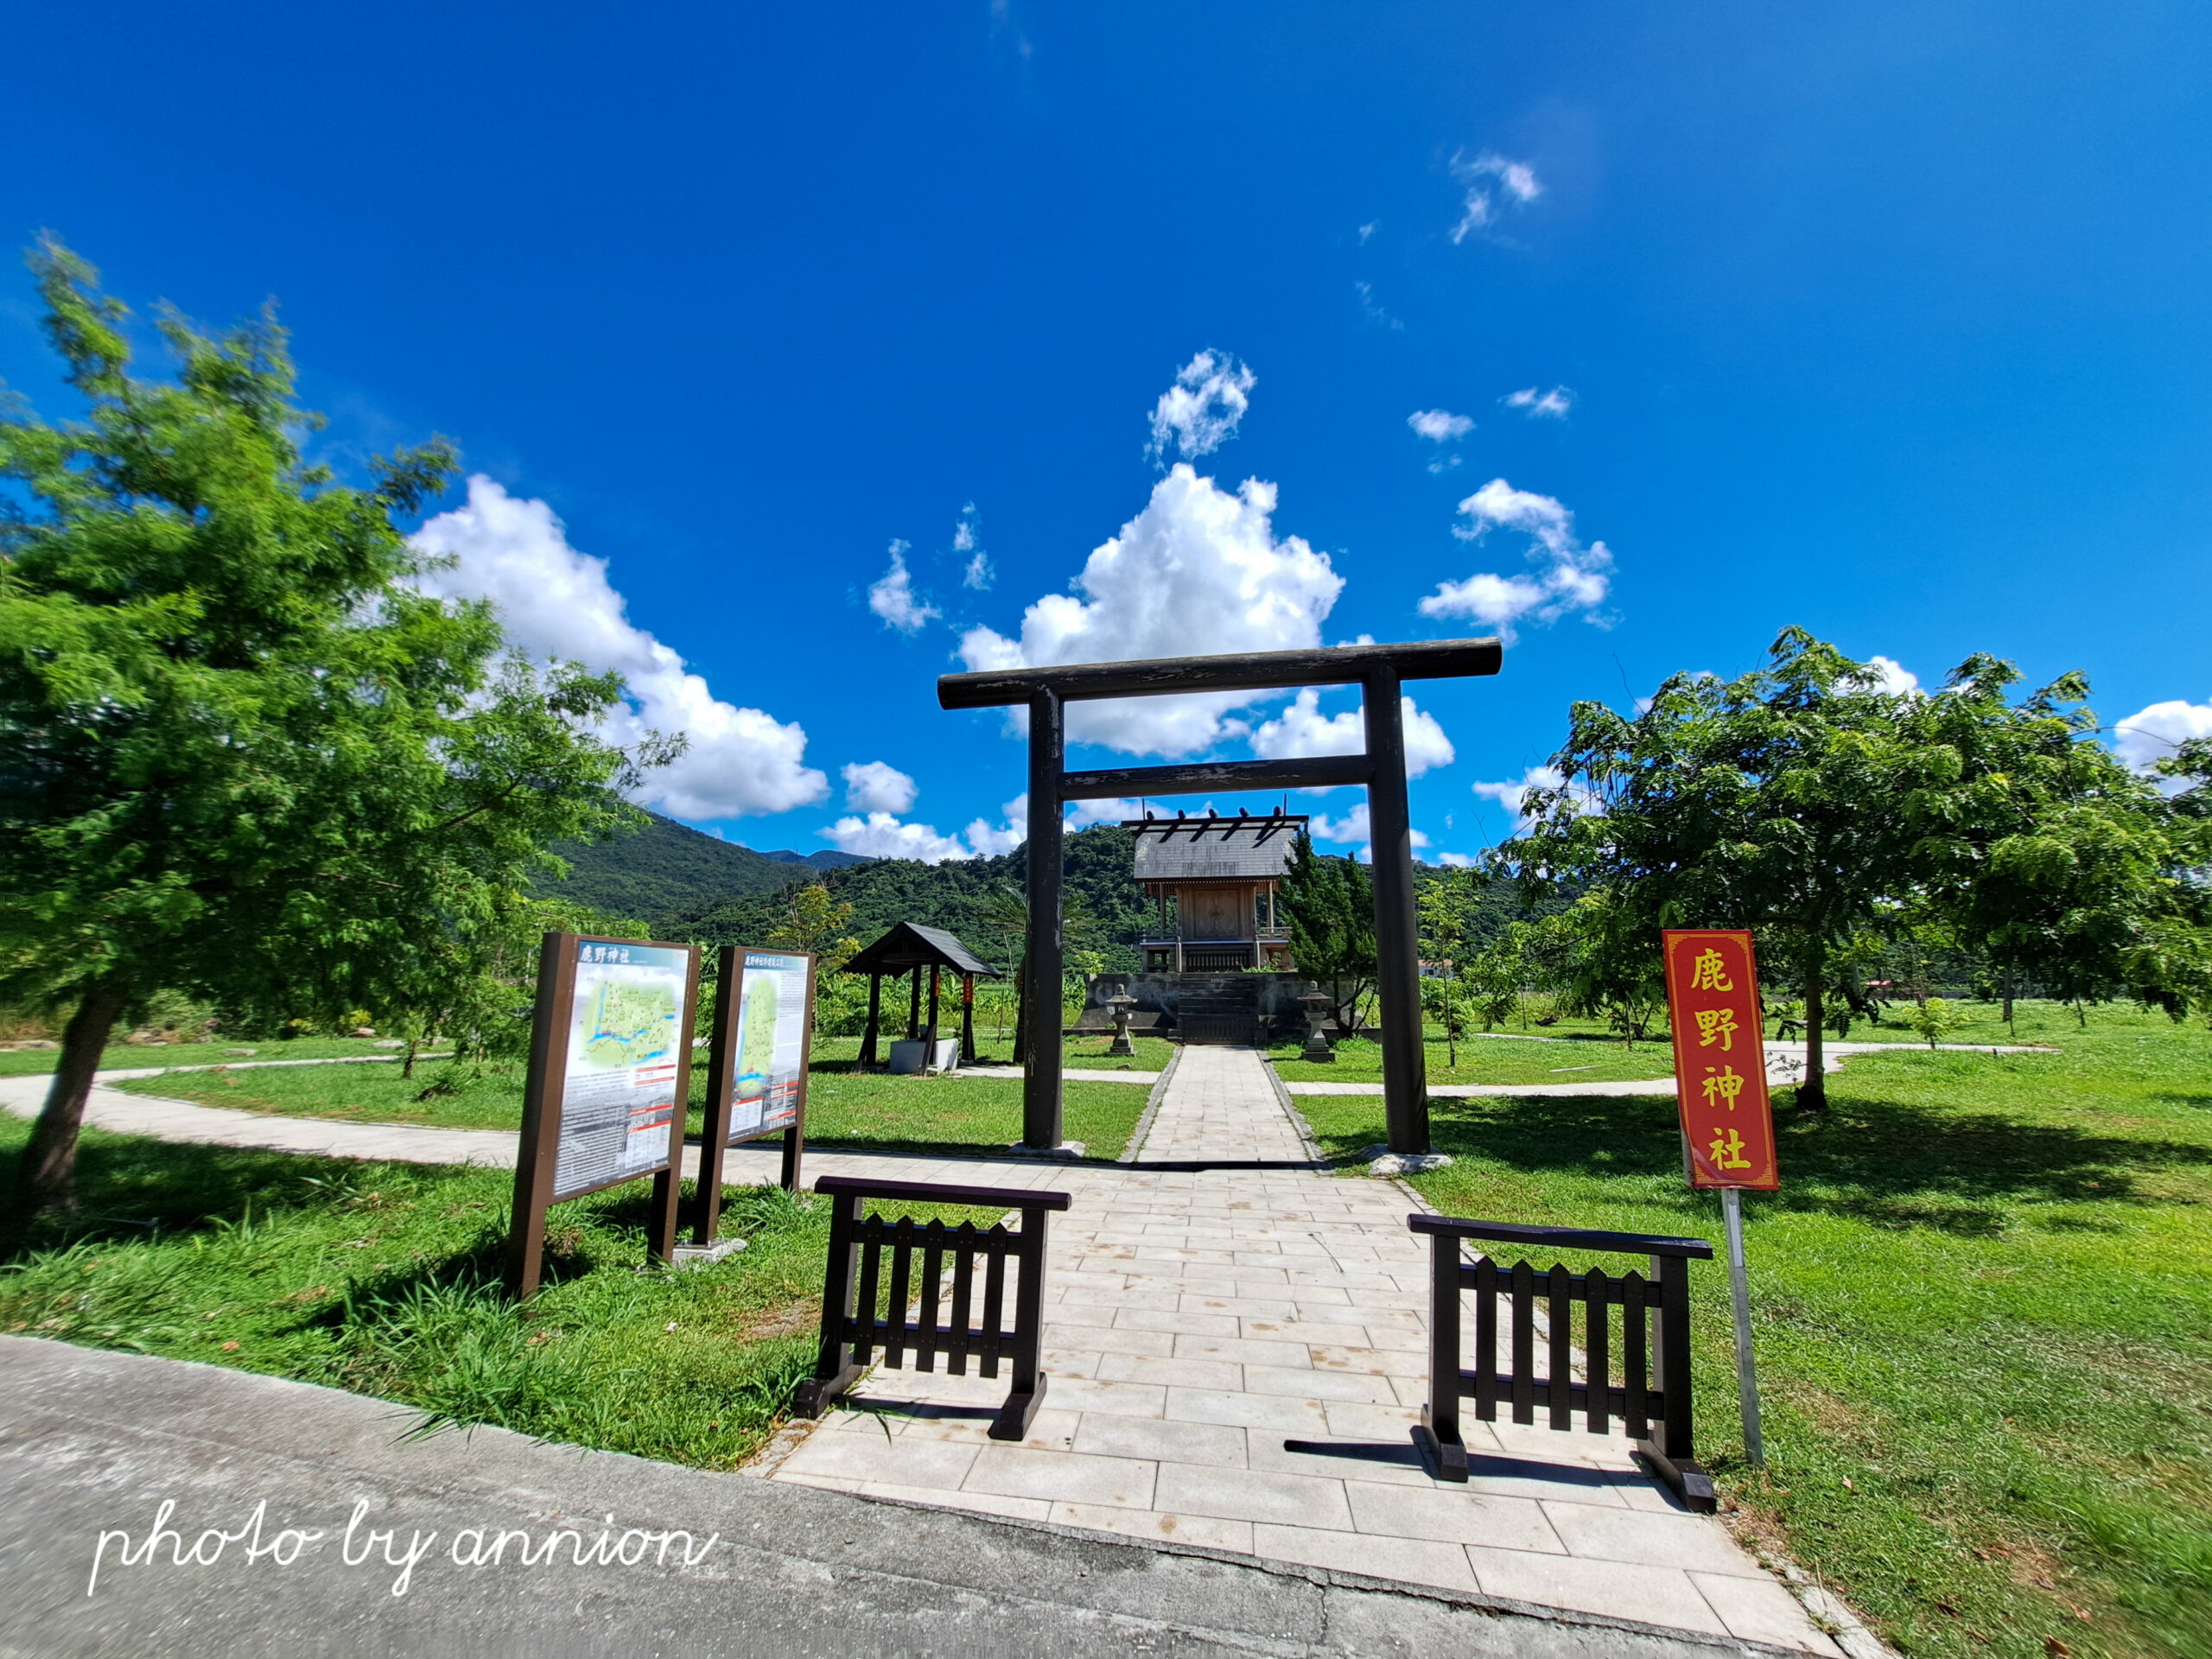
[628, 1022]
[1713, 1003]
[757, 1047]
[610, 1070]
[768, 1082]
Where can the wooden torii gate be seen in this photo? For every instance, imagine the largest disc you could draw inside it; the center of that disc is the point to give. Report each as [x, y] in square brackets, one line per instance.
[1378, 671]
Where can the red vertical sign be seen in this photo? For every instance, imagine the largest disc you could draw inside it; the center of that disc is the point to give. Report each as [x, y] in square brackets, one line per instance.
[1712, 1002]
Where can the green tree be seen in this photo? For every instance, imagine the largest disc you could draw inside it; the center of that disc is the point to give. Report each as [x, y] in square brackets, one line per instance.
[2043, 852]
[1329, 903]
[814, 922]
[1441, 907]
[240, 756]
[1743, 803]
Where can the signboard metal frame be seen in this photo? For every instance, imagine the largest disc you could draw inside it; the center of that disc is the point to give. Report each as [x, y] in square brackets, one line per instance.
[538, 1156]
[722, 1056]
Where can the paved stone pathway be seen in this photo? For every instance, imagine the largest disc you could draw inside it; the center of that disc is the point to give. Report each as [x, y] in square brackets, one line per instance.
[1198, 1320]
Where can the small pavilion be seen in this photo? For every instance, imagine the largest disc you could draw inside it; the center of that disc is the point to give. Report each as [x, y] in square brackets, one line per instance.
[908, 948]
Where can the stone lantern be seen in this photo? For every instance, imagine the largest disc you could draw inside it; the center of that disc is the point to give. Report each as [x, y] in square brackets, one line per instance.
[1317, 1004]
[1121, 1002]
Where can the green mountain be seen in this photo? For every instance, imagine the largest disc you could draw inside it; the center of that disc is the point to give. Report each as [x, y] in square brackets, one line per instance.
[956, 896]
[666, 870]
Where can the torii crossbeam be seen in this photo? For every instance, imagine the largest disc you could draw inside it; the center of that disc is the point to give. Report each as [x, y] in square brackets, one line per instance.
[1378, 671]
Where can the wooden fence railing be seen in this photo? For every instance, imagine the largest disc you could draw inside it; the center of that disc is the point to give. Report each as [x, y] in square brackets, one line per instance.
[864, 1309]
[1654, 1324]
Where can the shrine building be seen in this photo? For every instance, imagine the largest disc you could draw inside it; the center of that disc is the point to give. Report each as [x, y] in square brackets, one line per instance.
[1216, 882]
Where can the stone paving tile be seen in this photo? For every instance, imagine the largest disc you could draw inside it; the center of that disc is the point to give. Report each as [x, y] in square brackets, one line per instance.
[1160, 1439]
[1205, 1530]
[1061, 1477]
[1460, 1517]
[1410, 1559]
[1760, 1610]
[1656, 1595]
[1253, 1495]
[1275, 1413]
[1626, 1535]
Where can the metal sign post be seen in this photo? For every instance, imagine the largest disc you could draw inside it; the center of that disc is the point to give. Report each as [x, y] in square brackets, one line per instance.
[1713, 1006]
[1739, 1286]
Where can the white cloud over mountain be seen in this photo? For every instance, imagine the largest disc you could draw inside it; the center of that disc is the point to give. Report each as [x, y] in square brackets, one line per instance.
[555, 603]
[1513, 795]
[1200, 411]
[882, 834]
[1199, 571]
[1569, 576]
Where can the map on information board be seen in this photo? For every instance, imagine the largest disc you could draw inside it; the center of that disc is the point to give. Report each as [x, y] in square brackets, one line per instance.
[627, 1025]
[768, 1080]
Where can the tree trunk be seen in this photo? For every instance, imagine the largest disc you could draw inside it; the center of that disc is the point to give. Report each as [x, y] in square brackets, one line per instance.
[2008, 1002]
[1813, 1092]
[407, 1069]
[46, 1180]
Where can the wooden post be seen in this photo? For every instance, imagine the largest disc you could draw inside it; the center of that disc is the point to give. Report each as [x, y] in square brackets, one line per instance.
[541, 1112]
[1397, 967]
[1040, 1084]
[967, 1018]
[874, 1016]
[930, 1036]
[722, 1064]
[914, 1003]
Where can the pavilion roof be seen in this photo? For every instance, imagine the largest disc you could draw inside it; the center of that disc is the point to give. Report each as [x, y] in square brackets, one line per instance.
[908, 945]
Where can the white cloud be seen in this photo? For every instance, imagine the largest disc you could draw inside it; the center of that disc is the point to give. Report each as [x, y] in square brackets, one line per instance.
[1353, 827]
[1200, 411]
[1369, 230]
[1198, 572]
[891, 597]
[883, 835]
[555, 603]
[1439, 425]
[2149, 736]
[872, 786]
[1570, 577]
[1373, 311]
[1456, 861]
[880, 835]
[1513, 796]
[1548, 406]
[1893, 676]
[1490, 181]
[1081, 814]
[1302, 729]
[989, 842]
[967, 537]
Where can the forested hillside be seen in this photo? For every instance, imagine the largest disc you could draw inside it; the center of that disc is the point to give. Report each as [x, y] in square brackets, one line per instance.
[667, 870]
[959, 896]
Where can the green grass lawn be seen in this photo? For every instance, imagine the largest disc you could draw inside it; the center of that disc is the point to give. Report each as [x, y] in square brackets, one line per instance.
[382, 1279]
[1591, 1058]
[845, 1107]
[29, 1062]
[1983, 1313]
[992, 1049]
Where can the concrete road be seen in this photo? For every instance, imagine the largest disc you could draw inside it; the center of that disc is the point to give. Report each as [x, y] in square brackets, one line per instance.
[150, 1507]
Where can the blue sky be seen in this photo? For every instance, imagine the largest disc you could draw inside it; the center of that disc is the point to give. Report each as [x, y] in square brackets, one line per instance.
[1891, 320]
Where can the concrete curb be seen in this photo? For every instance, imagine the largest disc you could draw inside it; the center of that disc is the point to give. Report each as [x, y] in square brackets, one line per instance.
[1151, 1108]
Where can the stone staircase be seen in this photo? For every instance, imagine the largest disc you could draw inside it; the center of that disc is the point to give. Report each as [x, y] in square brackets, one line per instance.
[1221, 1009]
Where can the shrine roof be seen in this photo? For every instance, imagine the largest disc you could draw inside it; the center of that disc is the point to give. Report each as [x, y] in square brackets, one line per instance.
[1211, 848]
